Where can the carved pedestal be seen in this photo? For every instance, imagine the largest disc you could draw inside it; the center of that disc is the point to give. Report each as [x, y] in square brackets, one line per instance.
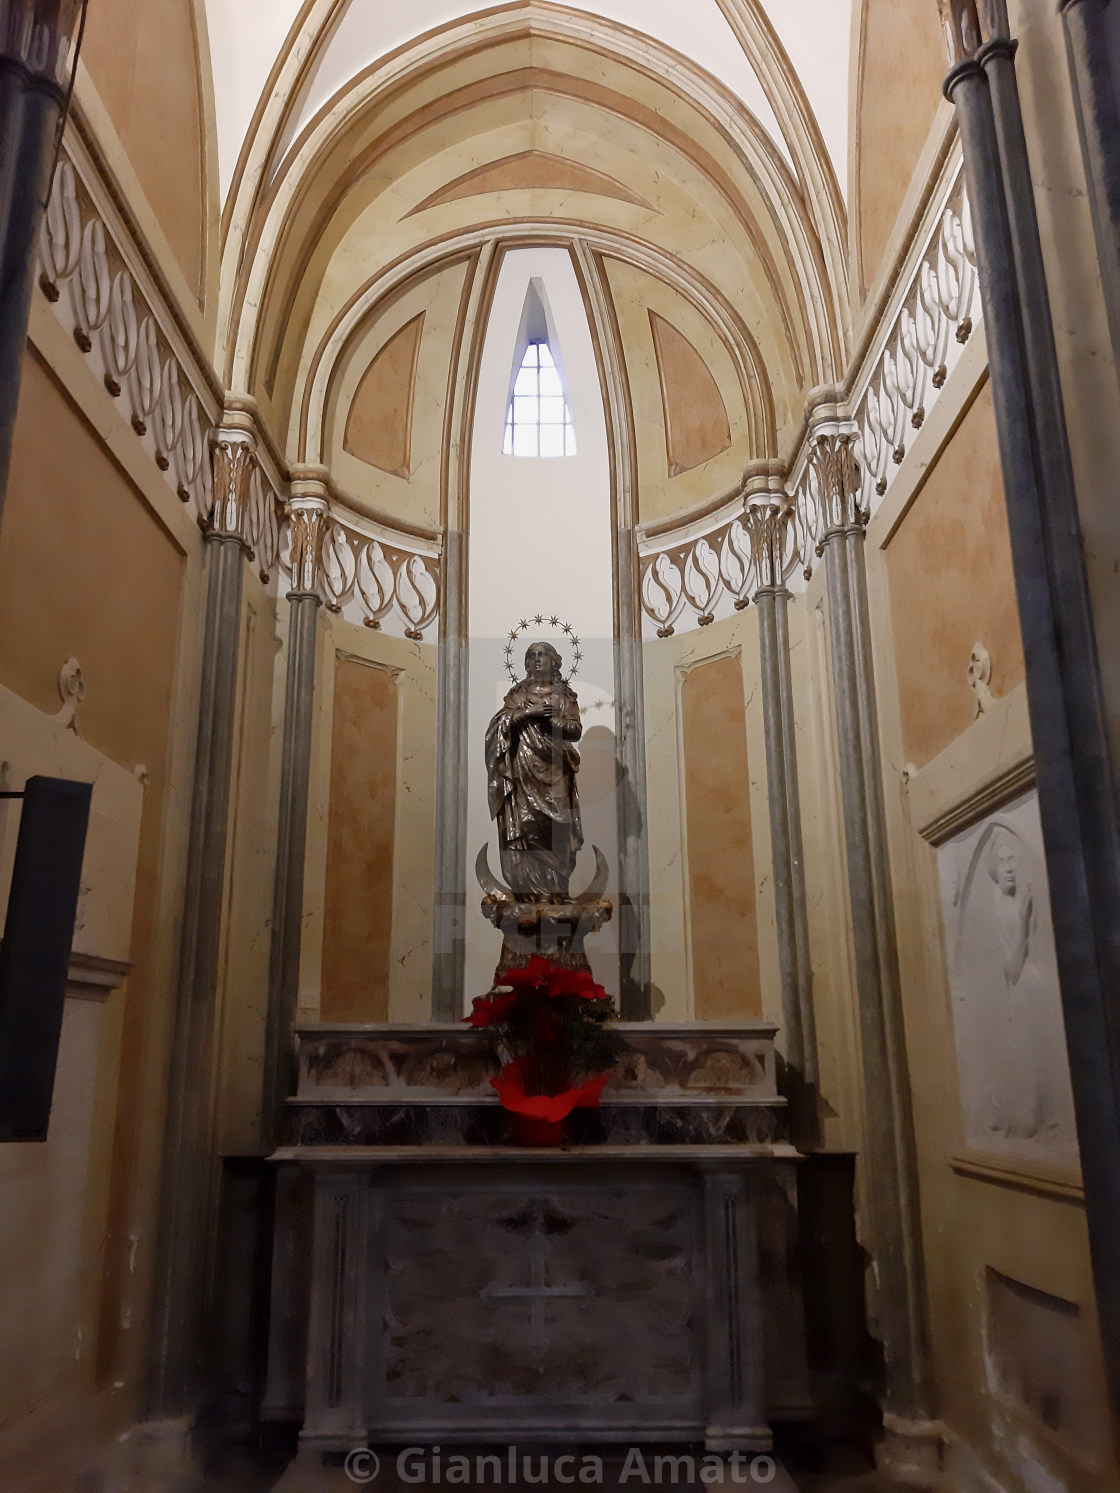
[556, 929]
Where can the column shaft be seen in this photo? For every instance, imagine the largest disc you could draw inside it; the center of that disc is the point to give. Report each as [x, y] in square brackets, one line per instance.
[633, 840]
[291, 849]
[451, 802]
[889, 1178]
[811, 1067]
[30, 109]
[777, 783]
[190, 1169]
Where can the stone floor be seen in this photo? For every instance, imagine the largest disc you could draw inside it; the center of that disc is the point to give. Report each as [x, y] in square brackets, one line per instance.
[840, 1471]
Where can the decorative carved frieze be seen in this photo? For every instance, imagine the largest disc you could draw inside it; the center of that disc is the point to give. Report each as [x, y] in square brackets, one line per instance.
[88, 274]
[935, 320]
[690, 581]
[363, 577]
[844, 468]
[85, 275]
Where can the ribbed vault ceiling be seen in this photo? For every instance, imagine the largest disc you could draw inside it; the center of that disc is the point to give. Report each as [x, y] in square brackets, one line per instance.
[247, 37]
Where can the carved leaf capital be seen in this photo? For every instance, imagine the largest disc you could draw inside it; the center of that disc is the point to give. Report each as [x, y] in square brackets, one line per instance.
[308, 524]
[838, 476]
[233, 460]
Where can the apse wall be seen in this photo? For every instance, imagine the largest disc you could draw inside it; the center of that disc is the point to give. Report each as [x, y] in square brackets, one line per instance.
[711, 914]
[541, 544]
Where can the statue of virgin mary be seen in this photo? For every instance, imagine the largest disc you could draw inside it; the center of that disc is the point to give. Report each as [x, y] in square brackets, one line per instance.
[531, 763]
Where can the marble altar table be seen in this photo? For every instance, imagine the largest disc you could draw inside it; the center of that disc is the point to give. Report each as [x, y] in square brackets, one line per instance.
[432, 1281]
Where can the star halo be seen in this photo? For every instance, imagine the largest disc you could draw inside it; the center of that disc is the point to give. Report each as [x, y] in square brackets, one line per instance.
[527, 623]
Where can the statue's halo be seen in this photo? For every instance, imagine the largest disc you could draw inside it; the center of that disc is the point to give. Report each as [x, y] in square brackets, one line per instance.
[567, 637]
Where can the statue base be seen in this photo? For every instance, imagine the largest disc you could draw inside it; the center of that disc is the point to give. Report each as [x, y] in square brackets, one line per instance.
[555, 930]
[533, 926]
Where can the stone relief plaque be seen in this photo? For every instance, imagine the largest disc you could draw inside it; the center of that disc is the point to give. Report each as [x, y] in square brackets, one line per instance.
[577, 1294]
[1007, 1018]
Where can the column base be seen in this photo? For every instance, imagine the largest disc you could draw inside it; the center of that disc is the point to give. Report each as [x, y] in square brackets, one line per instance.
[913, 1451]
[152, 1457]
[310, 1473]
[726, 1438]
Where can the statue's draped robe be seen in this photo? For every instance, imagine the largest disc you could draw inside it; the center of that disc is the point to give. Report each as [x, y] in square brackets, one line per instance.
[531, 767]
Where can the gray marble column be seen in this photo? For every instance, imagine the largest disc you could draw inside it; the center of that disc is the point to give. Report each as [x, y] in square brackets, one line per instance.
[308, 515]
[1075, 773]
[190, 1174]
[889, 1181]
[36, 58]
[633, 835]
[449, 934]
[767, 521]
[1099, 121]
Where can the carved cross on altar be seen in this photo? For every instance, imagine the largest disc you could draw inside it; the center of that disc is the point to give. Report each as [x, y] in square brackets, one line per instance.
[542, 1221]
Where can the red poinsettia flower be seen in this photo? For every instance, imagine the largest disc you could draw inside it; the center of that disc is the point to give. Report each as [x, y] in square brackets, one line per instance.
[576, 982]
[491, 1010]
[541, 977]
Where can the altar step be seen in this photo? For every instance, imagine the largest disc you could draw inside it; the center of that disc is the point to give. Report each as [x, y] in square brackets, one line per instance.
[672, 1469]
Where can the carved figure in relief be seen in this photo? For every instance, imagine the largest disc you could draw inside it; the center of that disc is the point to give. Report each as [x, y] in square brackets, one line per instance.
[1013, 1067]
[531, 764]
[1022, 1112]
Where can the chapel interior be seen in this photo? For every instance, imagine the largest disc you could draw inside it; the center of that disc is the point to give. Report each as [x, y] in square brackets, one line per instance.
[725, 397]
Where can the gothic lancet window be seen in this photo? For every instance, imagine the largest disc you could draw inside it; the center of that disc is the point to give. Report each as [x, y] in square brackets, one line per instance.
[538, 416]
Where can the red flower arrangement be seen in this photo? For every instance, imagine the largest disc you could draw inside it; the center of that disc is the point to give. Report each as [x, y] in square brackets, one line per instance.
[549, 1031]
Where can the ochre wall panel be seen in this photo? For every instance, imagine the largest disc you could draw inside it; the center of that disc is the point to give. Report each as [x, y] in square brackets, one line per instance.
[87, 572]
[721, 886]
[696, 424]
[143, 59]
[358, 921]
[379, 424]
[951, 586]
[903, 65]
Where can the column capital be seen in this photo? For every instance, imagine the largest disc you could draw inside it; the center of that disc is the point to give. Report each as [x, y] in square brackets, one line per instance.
[971, 25]
[832, 456]
[233, 459]
[308, 523]
[768, 520]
